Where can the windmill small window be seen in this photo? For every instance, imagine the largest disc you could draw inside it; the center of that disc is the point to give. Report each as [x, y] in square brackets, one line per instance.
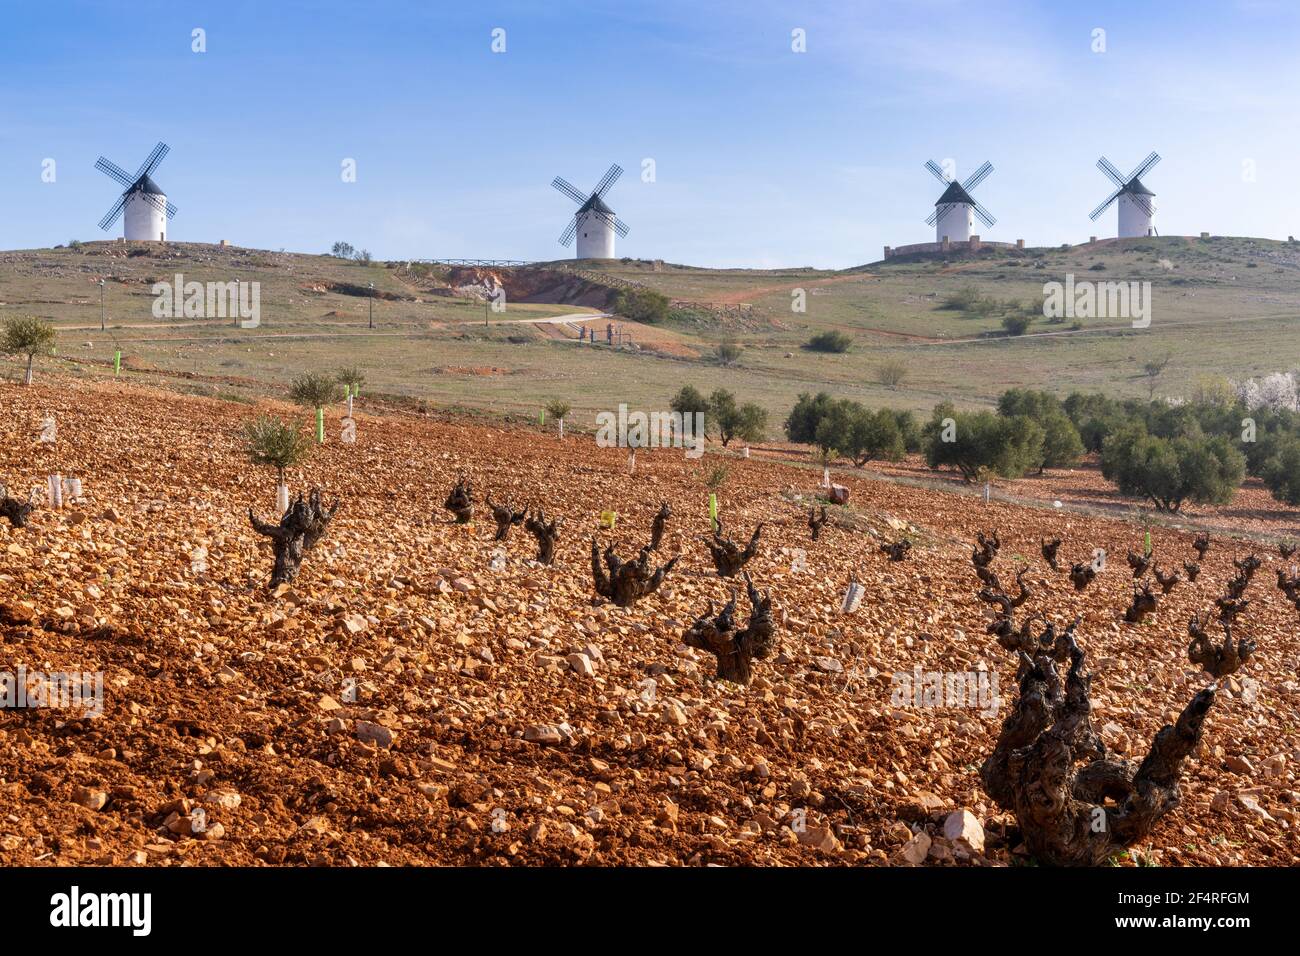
[596, 220]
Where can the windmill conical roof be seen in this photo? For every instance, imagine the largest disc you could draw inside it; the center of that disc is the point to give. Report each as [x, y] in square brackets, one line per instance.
[955, 194]
[1135, 186]
[146, 185]
[594, 204]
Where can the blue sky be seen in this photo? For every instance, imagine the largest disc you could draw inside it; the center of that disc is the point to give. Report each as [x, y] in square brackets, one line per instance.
[763, 156]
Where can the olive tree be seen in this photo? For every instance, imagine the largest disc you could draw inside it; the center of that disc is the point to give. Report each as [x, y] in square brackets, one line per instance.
[28, 336]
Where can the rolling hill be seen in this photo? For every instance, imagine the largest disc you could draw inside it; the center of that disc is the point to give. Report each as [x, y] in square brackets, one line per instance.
[1220, 307]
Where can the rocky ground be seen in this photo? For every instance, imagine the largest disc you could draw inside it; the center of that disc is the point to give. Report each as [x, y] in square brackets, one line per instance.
[414, 699]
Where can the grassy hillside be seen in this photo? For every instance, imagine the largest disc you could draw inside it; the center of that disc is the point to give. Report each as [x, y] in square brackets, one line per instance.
[1220, 307]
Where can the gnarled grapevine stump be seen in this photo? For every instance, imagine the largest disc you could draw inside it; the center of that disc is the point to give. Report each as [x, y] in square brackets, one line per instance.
[300, 528]
[729, 557]
[546, 534]
[1143, 603]
[897, 550]
[16, 511]
[736, 648]
[461, 501]
[816, 521]
[659, 525]
[1049, 549]
[1072, 815]
[1217, 660]
[1140, 563]
[625, 582]
[1167, 581]
[505, 517]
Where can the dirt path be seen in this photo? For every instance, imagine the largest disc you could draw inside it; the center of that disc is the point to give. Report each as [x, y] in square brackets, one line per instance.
[749, 295]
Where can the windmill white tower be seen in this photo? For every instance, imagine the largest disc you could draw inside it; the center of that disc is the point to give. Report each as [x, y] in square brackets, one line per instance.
[955, 211]
[594, 223]
[146, 206]
[1137, 204]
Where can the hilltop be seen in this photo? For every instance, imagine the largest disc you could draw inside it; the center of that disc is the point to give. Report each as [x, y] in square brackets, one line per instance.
[1221, 306]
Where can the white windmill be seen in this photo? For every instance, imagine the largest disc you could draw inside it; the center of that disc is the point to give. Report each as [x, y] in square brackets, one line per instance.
[594, 223]
[1137, 204]
[146, 206]
[955, 211]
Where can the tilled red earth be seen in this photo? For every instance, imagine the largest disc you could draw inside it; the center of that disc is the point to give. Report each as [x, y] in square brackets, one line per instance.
[406, 703]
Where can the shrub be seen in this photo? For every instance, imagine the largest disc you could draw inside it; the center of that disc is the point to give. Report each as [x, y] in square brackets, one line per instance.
[1281, 473]
[351, 377]
[1169, 471]
[27, 335]
[1015, 323]
[688, 401]
[728, 353]
[1095, 417]
[801, 425]
[891, 372]
[748, 422]
[875, 434]
[982, 442]
[831, 341]
[342, 250]
[1062, 446]
[908, 429]
[280, 444]
[964, 299]
[641, 305]
[831, 434]
[558, 408]
[314, 390]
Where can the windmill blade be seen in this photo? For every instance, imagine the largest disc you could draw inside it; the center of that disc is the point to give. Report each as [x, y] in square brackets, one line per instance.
[934, 216]
[156, 157]
[114, 170]
[111, 216]
[936, 170]
[158, 203]
[978, 176]
[618, 225]
[1144, 166]
[567, 236]
[1107, 167]
[564, 186]
[1142, 202]
[986, 217]
[1102, 208]
[610, 177]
